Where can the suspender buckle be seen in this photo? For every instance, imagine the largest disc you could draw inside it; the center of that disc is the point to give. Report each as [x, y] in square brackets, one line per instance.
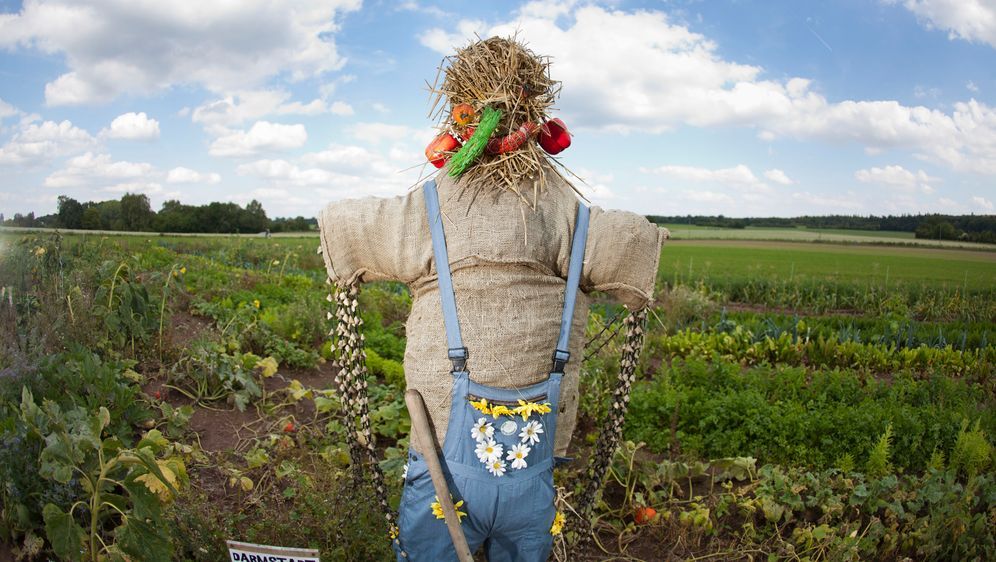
[458, 355]
[560, 359]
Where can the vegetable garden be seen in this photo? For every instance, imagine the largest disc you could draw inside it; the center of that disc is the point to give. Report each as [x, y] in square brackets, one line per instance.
[795, 401]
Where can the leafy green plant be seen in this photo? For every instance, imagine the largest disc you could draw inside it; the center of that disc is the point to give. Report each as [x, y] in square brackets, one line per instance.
[972, 451]
[119, 514]
[878, 464]
[129, 315]
[175, 419]
[209, 374]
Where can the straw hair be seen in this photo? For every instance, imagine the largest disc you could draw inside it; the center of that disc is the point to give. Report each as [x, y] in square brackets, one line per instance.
[503, 74]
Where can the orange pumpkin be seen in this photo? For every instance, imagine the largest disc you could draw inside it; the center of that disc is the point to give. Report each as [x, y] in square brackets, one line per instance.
[463, 114]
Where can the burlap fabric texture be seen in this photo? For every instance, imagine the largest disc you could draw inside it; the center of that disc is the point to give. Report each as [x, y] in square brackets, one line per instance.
[509, 266]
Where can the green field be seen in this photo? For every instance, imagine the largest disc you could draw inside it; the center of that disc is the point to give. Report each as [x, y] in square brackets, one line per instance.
[823, 235]
[884, 266]
[794, 401]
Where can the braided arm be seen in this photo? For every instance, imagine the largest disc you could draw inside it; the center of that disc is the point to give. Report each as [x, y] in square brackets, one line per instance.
[350, 359]
[608, 440]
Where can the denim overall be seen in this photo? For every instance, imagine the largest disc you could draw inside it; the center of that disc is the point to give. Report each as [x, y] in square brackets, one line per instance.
[511, 513]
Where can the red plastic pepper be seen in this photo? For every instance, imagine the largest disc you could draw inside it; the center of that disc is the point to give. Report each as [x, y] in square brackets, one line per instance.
[554, 136]
[438, 151]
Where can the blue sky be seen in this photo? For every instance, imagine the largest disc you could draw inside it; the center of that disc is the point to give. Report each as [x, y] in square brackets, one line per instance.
[741, 108]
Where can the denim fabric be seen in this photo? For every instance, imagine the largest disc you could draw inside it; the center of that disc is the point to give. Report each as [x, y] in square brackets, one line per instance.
[509, 515]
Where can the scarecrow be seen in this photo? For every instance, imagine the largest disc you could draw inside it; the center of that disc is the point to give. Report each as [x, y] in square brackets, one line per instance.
[500, 255]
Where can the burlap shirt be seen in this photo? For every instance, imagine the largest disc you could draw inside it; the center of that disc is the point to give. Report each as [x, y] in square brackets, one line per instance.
[509, 266]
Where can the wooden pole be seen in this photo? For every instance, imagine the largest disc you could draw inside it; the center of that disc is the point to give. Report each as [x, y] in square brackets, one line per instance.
[420, 423]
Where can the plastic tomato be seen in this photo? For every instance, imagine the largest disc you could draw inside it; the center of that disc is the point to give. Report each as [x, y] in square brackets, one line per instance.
[644, 515]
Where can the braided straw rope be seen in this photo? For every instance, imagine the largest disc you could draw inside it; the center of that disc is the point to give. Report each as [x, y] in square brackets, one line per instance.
[599, 461]
[351, 378]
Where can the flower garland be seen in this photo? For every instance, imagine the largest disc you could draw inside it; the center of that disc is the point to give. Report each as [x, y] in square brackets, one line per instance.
[524, 409]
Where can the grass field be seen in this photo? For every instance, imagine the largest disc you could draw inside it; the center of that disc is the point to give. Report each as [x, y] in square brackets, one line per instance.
[885, 266]
[827, 235]
[794, 400]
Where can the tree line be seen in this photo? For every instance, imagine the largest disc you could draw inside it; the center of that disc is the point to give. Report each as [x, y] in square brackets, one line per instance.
[971, 228]
[133, 212]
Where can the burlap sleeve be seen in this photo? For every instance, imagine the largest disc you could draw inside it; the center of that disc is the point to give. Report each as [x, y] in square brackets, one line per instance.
[623, 253]
[375, 239]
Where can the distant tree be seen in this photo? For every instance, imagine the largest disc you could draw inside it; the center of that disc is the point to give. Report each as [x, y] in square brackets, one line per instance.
[296, 224]
[110, 215]
[176, 217]
[936, 228]
[253, 219]
[91, 218]
[70, 213]
[27, 220]
[136, 213]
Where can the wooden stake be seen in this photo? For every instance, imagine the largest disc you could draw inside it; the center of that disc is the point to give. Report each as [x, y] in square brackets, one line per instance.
[420, 422]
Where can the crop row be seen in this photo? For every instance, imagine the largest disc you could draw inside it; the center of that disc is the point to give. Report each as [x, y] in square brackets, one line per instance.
[791, 348]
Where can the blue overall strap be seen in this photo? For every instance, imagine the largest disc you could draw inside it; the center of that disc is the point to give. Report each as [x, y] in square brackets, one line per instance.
[562, 355]
[457, 352]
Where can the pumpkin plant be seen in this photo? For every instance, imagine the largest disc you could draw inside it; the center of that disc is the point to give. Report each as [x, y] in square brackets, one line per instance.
[119, 516]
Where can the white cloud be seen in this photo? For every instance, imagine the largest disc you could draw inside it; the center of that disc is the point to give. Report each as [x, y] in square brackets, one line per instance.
[375, 133]
[285, 173]
[7, 110]
[132, 126]
[134, 187]
[739, 176]
[146, 46]
[432, 11]
[897, 177]
[596, 186]
[778, 176]
[218, 116]
[188, 176]
[829, 204]
[971, 87]
[262, 137]
[342, 171]
[340, 108]
[971, 20]
[710, 197]
[37, 143]
[90, 169]
[922, 92]
[677, 77]
[983, 203]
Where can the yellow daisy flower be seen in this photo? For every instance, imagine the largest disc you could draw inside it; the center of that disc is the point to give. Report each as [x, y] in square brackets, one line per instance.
[437, 510]
[558, 524]
[526, 409]
[481, 406]
[501, 410]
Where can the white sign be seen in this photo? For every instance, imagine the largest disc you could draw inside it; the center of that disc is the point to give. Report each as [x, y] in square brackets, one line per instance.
[246, 552]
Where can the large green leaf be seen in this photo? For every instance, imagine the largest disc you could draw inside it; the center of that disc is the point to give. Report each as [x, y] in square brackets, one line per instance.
[141, 540]
[66, 536]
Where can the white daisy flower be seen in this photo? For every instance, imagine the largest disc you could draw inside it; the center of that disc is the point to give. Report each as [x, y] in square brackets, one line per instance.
[497, 467]
[518, 455]
[482, 430]
[530, 433]
[489, 451]
[404, 472]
